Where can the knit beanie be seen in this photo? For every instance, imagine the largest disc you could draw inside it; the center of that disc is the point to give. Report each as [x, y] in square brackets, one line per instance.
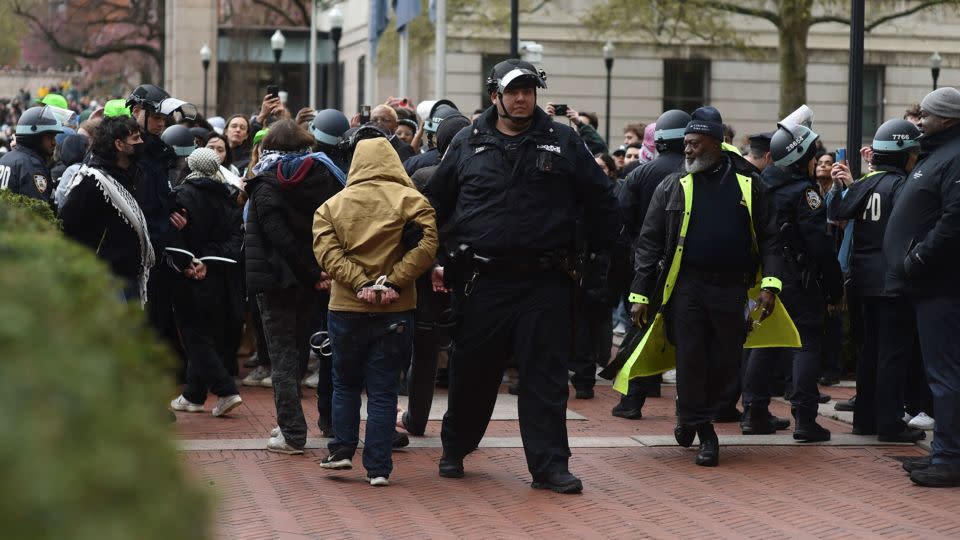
[706, 121]
[943, 102]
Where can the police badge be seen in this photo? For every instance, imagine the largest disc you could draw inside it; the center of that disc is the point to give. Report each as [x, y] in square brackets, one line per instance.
[41, 182]
[813, 198]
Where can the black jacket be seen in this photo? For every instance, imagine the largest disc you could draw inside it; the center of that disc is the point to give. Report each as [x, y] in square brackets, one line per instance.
[802, 223]
[214, 228]
[24, 172]
[404, 150]
[92, 221]
[427, 159]
[528, 205]
[153, 193]
[922, 243]
[639, 186]
[661, 231]
[868, 202]
[279, 233]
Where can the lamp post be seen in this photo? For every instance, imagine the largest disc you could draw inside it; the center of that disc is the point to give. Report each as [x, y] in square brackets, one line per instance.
[608, 51]
[205, 55]
[935, 62]
[277, 41]
[335, 16]
[312, 79]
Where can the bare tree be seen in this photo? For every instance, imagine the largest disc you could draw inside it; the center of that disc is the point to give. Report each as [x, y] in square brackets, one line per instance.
[708, 22]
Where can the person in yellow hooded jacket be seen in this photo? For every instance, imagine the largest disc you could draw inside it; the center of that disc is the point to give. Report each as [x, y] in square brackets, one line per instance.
[374, 239]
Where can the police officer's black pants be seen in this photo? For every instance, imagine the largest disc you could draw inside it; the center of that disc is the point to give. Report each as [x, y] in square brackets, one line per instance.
[527, 317]
[805, 363]
[593, 333]
[887, 354]
[706, 323]
[938, 318]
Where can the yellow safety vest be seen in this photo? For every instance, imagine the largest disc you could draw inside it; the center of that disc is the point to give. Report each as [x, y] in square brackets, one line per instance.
[655, 354]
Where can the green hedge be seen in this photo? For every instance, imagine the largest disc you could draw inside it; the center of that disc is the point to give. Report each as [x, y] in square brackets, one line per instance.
[89, 449]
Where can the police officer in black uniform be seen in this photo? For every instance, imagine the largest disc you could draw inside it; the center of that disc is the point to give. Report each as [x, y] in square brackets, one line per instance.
[889, 319]
[634, 200]
[811, 277]
[24, 170]
[508, 192]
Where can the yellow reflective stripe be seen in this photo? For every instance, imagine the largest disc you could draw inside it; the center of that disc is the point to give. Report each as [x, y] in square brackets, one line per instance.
[745, 189]
[771, 282]
[686, 183]
[730, 148]
[635, 298]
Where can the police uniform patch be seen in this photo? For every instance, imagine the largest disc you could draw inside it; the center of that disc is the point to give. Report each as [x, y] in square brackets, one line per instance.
[813, 198]
[41, 183]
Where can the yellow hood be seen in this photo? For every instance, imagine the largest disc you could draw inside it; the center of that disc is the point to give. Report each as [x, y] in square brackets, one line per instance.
[375, 159]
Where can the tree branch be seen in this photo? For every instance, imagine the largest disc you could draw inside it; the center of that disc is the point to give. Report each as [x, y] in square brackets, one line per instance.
[271, 7]
[884, 19]
[748, 11]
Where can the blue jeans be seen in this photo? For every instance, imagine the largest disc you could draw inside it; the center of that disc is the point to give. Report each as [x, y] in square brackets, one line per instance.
[938, 318]
[369, 349]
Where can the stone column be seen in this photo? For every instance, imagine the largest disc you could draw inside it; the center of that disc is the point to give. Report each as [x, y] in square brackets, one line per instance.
[189, 25]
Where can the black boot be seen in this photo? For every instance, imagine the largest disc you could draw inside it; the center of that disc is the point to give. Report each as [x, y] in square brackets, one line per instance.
[757, 421]
[451, 466]
[908, 435]
[709, 454]
[810, 431]
[684, 433]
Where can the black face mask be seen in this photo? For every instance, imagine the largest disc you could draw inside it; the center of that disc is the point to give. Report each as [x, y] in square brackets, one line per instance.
[139, 151]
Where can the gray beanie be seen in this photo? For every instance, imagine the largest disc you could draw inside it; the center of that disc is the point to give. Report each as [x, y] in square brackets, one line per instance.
[944, 102]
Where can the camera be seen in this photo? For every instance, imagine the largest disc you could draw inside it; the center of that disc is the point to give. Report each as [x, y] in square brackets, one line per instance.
[273, 90]
[364, 114]
[560, 109]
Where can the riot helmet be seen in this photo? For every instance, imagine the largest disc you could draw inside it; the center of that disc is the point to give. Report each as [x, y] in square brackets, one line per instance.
[180, 139]
[328, 126]
[147, 96]
[670, 127]
[514, 73]
[793, 145]
[38, 120]
[440, 110]
[896, 144]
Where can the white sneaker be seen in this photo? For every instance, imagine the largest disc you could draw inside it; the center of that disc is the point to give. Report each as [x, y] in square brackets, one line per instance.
[907, 417]
[670, 377]
[227, 404]
[312, 380]
[620, 330]
[279, 445]
[255, 376]
[181, 404]
[380, 481]
[275, 432]
[313, 364]
[922, 421]
[267, 382]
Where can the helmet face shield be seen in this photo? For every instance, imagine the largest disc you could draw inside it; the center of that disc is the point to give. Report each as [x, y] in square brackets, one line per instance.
[520, 77]
[178, 110]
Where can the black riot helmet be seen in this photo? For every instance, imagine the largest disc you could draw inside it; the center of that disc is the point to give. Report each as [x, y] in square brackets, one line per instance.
[180, 139]
[350, 138]
[793, 146]
[668, 135]
[328, 126]
[440, 111]
[895, 136]
[514, 73]
[147, 96]
[894, 142]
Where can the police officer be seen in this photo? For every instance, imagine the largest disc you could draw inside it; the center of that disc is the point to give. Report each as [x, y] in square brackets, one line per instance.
[758, 151]
[509, 191]
[889, 320]
[706, 234]
[634, 200]
[920, 250]
[439, 111]
[811, 277]
[24, 170]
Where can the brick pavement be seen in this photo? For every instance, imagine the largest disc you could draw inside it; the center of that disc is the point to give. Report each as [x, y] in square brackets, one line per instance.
[791, 491]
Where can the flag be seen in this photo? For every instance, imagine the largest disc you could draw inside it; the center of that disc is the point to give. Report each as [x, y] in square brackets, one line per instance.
[407, 11]
[379, 18]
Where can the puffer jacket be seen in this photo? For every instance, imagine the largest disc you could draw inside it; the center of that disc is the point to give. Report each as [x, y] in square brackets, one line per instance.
[357, 234]
[279, 223]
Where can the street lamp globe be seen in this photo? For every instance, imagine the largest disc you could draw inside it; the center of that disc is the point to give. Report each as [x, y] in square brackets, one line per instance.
[205, 53]
[277, 41]
[335, 17]
[935, 62]
[608, 50]
[531, 51]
